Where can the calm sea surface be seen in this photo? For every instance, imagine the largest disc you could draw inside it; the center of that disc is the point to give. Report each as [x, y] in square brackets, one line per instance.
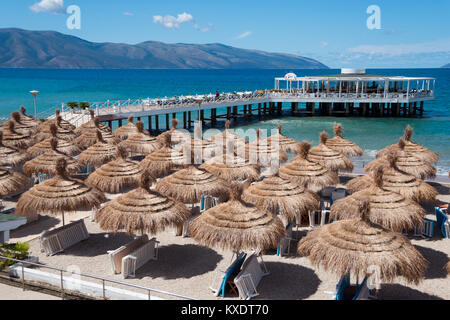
[58, 86]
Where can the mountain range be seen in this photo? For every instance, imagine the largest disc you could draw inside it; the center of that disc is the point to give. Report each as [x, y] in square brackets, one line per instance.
[49, 49]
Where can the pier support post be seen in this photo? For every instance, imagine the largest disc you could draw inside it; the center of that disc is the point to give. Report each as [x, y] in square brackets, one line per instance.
[213, 117]
[157, 123]
[235, 111]
[202, 117]
[421, 108]
[149, 123]
[228, 113]
[184, 120]
[265, 108]
[110, 124]
[120, 123]
[410, 108]
[167, 122]
[259, 110]
[347, 108]
[280, 107]
[189, 119]
[250, 110]
[245, 110]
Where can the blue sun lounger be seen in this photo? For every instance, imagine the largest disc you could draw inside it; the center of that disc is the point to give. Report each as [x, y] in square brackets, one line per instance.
[442, 221]
[362, 293]
[232, 270]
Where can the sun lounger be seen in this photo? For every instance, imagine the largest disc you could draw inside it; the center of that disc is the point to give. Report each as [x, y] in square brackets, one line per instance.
[139, 257]
[442, 221]
[345, 291]
[426, 230]
[248, 279]
[319, 218]
[224, 276]
[116, 256]
[207, 202]
[284, 249]
[57, 240]
[42, 177]
[337, 195]
[195, 213]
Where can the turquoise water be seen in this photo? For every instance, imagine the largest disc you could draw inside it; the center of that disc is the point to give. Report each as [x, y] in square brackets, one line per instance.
[58, 86]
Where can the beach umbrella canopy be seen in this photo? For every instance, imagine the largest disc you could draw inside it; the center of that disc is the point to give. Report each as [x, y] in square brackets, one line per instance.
[21, 126]
[117, 175]
[142, 142]
[92, 124]
[15, 139]
[61, 133]
[142, 211]
[65, 147]
[11, 157]
[98, 154]
[200, 150]
[406, 162]
[307, 173]
[231, 168]
[28, 119]
[262, 153]
[162, 162]
[190, 184]
[397, 181]
[59, 195]
[46, 163]
[66, 125]
[329, 158]
[176, 136]
[12, 182]
[285, 143]
[237, 226]
[344, 146]
[275, 193]
[126, 131]
[388, 209]
[356, 246]
[89, 136]
[413, 148]
[227, 138]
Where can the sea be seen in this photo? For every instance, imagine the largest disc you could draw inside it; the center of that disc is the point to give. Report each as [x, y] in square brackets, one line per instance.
[61, 86]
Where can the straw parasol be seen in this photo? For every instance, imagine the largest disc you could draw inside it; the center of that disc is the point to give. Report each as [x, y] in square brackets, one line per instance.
[224, 138]
[21, 126]
[92, 124]
[329, 158]
[89, 137]
[232, 168]
[11, 157]
[61, 133]
[237, 226]
[447, 266]
[190, 184]
[263, 153]
[59, 195]
[117, 175]
[285, 143]
[162, 162]
[205, 149]
[356, 246]
[12, 182]
[15, 139]
[98, 154]
[389, 209]
[66, 125]
[142, 211]
[408, 163]
[413, 148]
[46, 163]
[397, 181]
[307, 173]
[28, 119]
[141, 142]
[344, 146]
[274, 192]
[126, 131]
[66, 147]
[176, 136]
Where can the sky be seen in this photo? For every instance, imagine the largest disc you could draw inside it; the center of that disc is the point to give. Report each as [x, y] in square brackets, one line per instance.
[405, 34]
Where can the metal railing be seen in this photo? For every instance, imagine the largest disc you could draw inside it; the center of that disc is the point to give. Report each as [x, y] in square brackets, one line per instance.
[104, 281]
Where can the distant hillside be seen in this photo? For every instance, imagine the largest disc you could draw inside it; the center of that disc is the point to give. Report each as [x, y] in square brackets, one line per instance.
[446, 66]
[49, 49]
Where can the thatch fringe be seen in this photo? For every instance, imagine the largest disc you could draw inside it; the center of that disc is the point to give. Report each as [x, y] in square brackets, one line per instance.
[232, 168]
[12, 182]
[346, 147]
[329, 158]
[11, 156]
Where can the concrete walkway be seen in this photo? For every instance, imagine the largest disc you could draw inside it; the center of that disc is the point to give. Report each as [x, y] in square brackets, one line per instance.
[13, 293]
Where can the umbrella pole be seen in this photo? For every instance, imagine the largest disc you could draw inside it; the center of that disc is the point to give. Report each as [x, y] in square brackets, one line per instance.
[64, 222]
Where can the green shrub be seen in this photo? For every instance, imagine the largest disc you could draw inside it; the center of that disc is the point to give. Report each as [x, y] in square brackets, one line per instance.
[18, 251]
[84, 105]
[72, 105]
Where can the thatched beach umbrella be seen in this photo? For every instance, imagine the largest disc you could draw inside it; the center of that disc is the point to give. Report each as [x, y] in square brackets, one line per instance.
[117, 175]
[59, 195]
[126, 131]
[176, 136]
[66, 147]
[46, 163]
[142, 142]
[275, 193]
[142, 211]
[200, 150]
[344, 146]
[263, 153]
[413, 148]
[98, 154]
[285, 143]
[162, 162]
[232, 168]
[329, 158]
[388, 209]
[307, 173]
[237, 226]
[357, 246]
[61, 132]
[11, 157]
[12, 182]
[397, 181]
[190, 184]
[406, 162]
[92, 124]
[66, 125]
[28, 119]
[21, 126]
[15, 139]
[89, 136]
[227, 138]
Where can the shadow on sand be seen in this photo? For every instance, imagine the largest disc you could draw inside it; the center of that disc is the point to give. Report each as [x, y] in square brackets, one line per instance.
[35, 228]
[399, 292]
[98, 244]
[437, 261]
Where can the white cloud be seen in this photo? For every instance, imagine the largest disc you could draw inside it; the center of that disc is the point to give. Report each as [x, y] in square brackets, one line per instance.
[130, 14]
[324, 44]
[171, 22]
[204, 29]
[244, 35]
[51, 6]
